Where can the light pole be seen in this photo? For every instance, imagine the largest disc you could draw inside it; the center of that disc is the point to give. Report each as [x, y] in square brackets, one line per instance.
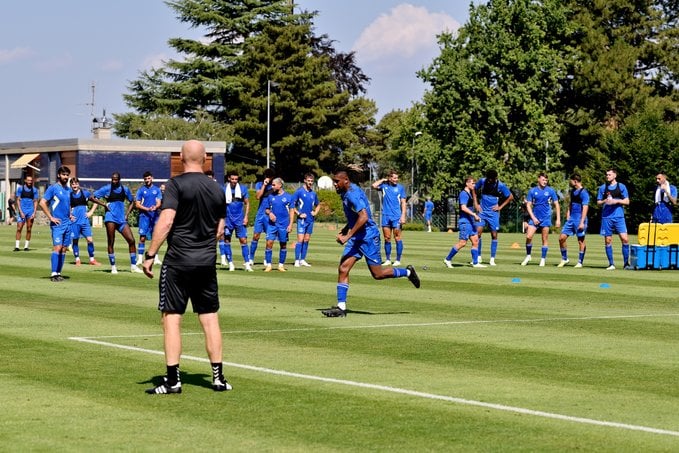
[412, 173]
[268, 123]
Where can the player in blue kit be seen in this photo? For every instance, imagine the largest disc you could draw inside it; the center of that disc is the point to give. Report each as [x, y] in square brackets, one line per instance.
[613, 196]
[427, 212]
[538, 203]
[664, 197]
[115, 218]
[262, 190]
[495, 195]
[280, 217]
[305, 205]
[147, 201]
[467, 221]
[80, 221]
[56, 204]
[576, 220]
[361, 238]
[237, 212]
[393, 214]
[26, 203]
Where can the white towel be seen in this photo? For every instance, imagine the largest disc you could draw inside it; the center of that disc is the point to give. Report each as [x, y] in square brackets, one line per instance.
[230, 196]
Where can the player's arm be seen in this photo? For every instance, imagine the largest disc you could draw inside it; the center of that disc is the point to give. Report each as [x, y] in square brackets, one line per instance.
[291, 218]
[97, 201]
[508, 200]
[35, 206]
[246, 214]
[160, 233]
[465, 208]
[46, 210]
[557, 211]
[583, 217]
[403, 210]
[475, 198]
[529, 209]
[378, 183]
[260, 192]
[346, 234]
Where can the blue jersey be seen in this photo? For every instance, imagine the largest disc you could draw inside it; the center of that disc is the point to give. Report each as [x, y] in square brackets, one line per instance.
[615, 191]
[263, 201]
[279, 204]
[578, 199]
[148, 197]
[26, 197]
[428, 208]
[305, 201]
[58, 199]
[466, 200]
[79, 206]
[353, 202]
[542, 200]
[662, 212]
[235, 210]
[115, 198]
[491, 193]
[391, 199]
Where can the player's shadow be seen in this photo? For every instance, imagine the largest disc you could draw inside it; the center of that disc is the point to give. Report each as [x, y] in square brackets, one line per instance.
[371, 313]
[65, 277]
[195, 379]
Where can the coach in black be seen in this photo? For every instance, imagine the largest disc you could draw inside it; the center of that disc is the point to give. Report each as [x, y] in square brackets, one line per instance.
[191, 219]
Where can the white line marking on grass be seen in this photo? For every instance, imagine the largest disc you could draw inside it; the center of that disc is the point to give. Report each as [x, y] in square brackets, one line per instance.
[420, 324]
[384, 388]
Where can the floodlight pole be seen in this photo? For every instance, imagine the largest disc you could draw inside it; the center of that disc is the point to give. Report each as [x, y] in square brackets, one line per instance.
[268, 123]
[412, 173]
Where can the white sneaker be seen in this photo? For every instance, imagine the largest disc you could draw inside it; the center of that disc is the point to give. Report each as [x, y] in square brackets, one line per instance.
[114, 270]
[397, 263]
[140, 260]
[297, 263]
[542, 262]
[562, 263]
[157, 260]
[526, 260]
[492, 262]
[304, 263]
[251, 262]
[135, 270]
[224, 263]
[578, 265]
[480, 260]
[479, 265]
[248, 268]
[610, 268]
[448, 263]
[231, 267]
[387, 263]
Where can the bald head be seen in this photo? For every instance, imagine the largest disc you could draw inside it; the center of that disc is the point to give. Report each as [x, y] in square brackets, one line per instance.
[193, 153]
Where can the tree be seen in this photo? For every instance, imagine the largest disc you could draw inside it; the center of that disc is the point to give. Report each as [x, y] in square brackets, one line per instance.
[316, 110]
[493, 91]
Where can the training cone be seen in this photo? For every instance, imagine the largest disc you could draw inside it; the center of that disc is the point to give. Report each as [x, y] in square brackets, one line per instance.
[515, 245]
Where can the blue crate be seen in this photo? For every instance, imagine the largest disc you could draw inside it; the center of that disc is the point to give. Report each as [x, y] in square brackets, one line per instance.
[651, 257]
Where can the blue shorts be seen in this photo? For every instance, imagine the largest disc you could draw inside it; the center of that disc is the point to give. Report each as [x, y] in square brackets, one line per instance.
[276, 233]
[570, 228]
[305, 226]
[240, 230]
[146, 224]
[364, 247]
[490, 219]
[466, 230]
[544, 223]
[613, 225]
[427, 216]
[261, 224]
[62, 234]
[81, 229]
[391, 222]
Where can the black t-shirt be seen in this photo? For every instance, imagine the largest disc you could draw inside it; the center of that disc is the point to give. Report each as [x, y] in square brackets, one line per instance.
[199, 203]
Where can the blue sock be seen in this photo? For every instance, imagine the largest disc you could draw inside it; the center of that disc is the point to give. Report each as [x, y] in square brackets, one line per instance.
[475, 255]
[305, 249]
[227, 251]
[61, 260]
[453, 252]
[222, 248]
[76, 250]
[400, 272]
[244, 252]
[54, 260]
[564, 254]
[90, 249]
[625, 254]
[387, 250]
[609, 254]
[529, 249]
[493, 248]
[581, 256]
[112, 259]
[544, 252]
[298, 251]
[253, 248]
[140, 249]
[282, 255]
[399, 250]
[133, 258]
[268, 254]
[480, 246]
[342, 290]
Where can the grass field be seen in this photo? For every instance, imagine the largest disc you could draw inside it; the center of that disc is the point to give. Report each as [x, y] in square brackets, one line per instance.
[497, 359]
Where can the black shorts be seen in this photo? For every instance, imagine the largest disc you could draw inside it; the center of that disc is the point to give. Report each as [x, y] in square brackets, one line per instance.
[178, 285]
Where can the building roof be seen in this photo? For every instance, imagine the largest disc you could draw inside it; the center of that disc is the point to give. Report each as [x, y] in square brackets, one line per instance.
[104, 145]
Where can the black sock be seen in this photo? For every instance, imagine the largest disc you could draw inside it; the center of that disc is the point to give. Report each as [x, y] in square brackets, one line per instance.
[216, 370]
[172, 375]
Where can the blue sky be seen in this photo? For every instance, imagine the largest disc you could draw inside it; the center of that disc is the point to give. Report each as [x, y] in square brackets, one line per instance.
[51, 52]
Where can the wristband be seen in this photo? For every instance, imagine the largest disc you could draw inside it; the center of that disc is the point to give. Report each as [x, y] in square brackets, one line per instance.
[149, 257]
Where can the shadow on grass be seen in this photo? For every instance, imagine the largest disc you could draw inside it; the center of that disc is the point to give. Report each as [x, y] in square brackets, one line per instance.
[371, 313]
[195, 379]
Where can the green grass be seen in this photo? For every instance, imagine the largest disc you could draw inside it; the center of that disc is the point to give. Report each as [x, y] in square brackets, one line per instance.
[448, 367]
